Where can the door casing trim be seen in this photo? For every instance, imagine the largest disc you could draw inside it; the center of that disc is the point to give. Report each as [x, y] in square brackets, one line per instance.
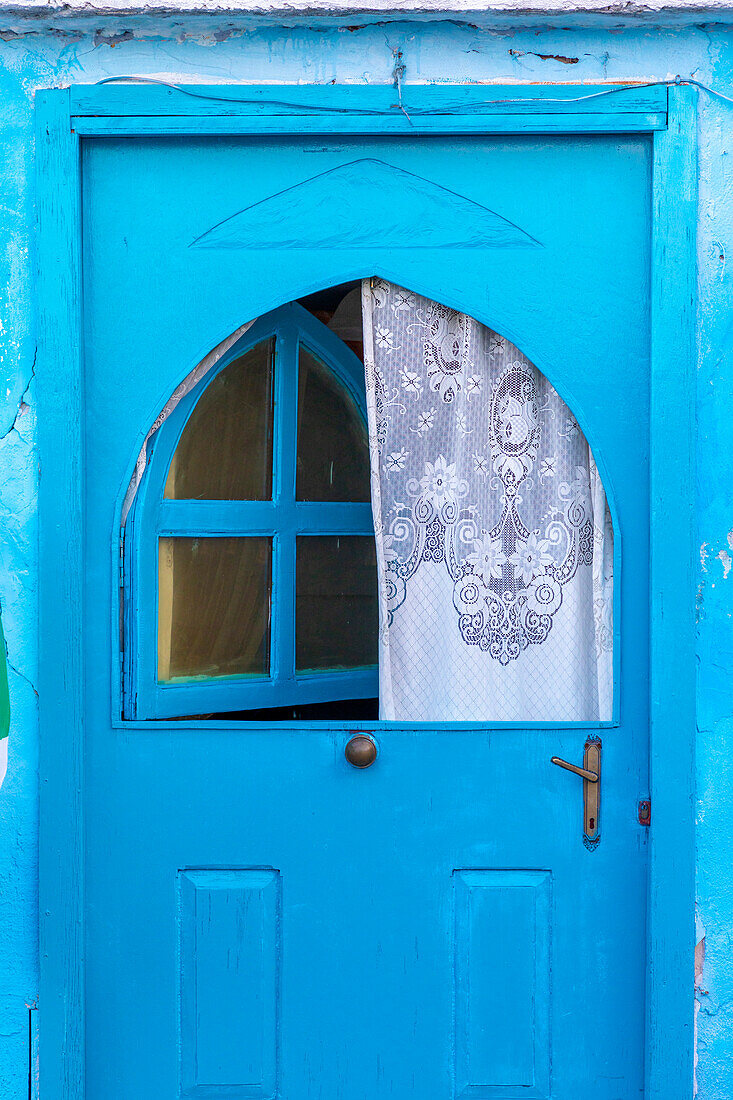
[66, 116]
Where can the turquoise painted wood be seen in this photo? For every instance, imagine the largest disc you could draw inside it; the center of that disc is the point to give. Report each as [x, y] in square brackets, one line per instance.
[64, 685]
[61, 698]
[137, 109]
[230, 929]
[432, 104]
[70, 701]
[670, 1022]
[260, 918]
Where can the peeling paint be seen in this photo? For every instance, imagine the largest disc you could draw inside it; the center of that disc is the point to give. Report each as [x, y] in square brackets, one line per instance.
[111, 39]
[699, 991]
[609, 14]
[548, 57]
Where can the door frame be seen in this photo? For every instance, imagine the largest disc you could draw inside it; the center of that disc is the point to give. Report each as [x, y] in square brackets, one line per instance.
[67, 116]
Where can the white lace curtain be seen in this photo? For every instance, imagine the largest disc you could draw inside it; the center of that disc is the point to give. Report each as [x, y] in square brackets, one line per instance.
[494, 540]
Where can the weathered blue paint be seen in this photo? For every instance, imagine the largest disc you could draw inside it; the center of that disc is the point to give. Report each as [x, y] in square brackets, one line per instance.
[242, 906]
[672, 648]
[153, 798]
[31, 57]
[60, 863]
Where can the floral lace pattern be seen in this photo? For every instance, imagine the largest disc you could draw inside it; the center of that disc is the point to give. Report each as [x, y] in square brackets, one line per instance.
[480, 468]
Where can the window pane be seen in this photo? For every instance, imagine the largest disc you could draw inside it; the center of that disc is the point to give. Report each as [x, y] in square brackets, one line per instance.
[225, 450]
[213, 607]
[336, 602]
[333, 450]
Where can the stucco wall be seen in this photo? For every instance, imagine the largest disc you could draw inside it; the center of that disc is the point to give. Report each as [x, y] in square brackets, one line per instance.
[34, 55]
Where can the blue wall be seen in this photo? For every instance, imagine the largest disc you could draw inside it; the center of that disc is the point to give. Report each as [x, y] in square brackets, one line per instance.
[31, 58]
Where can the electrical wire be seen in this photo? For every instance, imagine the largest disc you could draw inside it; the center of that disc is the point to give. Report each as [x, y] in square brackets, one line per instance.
[398, 75]
[330, 109]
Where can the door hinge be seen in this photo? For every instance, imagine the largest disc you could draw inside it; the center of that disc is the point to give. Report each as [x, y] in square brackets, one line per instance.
[645, 811]
[122, 558]
[121, 603]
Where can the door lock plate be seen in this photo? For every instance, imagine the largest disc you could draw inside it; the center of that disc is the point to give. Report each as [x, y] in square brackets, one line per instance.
[590, 773]
[592, 795]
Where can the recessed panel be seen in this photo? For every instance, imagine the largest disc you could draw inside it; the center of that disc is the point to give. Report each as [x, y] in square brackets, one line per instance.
[230, 951]
[502, 984]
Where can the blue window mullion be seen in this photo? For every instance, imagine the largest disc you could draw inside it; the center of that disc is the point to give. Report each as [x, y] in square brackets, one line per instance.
[284, 472]
[216, 517]
[283, 605]
[334, 519]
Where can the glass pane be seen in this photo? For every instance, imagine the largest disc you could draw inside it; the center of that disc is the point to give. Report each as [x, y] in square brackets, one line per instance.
[335, 602]
[333, 449]
[225, 450]
[213, 607]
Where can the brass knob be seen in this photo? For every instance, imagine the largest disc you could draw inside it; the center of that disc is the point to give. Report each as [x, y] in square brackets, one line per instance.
[360, 751]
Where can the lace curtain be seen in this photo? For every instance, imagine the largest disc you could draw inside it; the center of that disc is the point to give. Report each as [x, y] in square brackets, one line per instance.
[494, 540]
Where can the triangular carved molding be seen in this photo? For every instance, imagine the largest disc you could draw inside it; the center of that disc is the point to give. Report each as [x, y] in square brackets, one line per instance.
[337, 209]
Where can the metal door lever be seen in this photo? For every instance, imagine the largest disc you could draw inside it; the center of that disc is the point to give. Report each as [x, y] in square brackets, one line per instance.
[590, 773]
[592, 777]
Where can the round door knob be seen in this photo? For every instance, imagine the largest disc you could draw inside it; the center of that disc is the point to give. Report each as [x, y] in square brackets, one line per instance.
[360, 751]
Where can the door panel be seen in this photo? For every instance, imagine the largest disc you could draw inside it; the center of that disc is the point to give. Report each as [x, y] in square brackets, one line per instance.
[503, 989]
[230, 980]
[261, 918]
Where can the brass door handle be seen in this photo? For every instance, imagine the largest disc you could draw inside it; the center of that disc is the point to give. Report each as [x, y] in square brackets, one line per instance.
[590, 773]
[592, 777]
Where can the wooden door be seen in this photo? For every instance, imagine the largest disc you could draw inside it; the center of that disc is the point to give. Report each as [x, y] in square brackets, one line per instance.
[263, 919]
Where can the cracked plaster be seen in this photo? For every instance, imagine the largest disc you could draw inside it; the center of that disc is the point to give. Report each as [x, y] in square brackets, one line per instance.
[606, 13]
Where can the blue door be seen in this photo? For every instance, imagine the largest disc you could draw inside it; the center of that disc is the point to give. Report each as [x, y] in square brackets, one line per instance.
[263, 918]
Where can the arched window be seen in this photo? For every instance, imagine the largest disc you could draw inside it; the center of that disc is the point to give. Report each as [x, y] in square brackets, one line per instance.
[250, 564]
